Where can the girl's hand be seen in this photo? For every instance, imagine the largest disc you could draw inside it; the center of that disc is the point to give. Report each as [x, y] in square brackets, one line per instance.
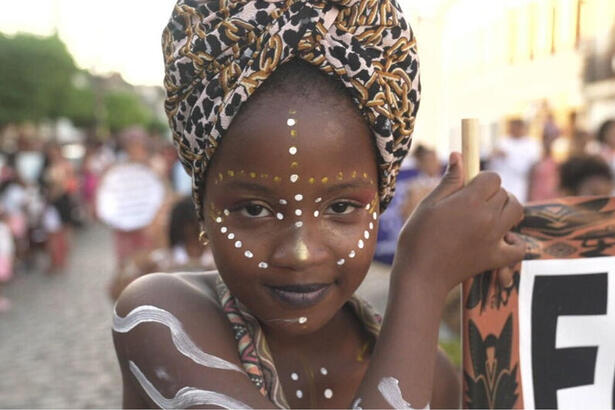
[458, 231]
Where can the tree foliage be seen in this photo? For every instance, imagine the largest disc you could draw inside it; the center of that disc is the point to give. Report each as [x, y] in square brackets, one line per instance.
[35, 77]
[39, 80]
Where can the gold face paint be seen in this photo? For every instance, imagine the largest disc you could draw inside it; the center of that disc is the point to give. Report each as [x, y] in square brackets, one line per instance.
[252, 174]
[340, 175]
[277, 179]
[230, 173]
[301, 251]
[294, 164]
[311, 180]
[324, 180]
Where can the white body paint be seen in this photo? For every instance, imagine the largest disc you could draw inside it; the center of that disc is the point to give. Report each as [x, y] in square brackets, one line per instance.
[389, 388]
[356, 405]
[186, 396]
[149, 314]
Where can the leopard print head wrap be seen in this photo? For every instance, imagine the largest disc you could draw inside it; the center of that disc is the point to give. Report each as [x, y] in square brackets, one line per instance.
[217, 52]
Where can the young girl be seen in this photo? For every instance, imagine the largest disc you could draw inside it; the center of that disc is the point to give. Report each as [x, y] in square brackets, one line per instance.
[292, 118]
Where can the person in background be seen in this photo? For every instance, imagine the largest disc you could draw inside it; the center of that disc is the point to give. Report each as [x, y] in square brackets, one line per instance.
[184, 253]
[606, 138]
[59, 183]
[7, 255]
[513, 158]
[430, 172]
[543, 182]
[586, 175]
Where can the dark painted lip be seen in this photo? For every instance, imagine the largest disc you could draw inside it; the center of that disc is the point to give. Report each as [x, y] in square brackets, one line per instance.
[300, 295]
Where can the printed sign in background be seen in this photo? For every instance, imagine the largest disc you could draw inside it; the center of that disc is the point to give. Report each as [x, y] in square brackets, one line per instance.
[129, 196]
[548, 339]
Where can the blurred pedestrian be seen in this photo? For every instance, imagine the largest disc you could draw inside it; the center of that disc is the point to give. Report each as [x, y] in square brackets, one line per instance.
[544, 177]
[428, 177]
[586, 175]
[7, 252]
[513, 158]
[606, 138]
[60, 185]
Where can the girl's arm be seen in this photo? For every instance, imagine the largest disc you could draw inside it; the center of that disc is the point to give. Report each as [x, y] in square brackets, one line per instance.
[177, 350]
[455, 233]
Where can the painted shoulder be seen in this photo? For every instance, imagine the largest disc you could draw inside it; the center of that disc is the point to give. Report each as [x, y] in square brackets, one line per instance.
[170, 291]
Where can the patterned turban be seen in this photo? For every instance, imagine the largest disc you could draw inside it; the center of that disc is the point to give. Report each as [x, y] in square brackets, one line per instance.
[218, 52]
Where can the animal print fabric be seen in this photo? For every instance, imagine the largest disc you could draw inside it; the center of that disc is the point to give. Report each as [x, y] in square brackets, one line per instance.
[218, 52]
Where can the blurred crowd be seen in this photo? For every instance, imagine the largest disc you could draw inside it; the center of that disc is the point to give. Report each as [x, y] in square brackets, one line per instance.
[48, 191]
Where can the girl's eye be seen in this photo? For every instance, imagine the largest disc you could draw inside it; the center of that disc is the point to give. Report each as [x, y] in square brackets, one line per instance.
[342, 207]
[254, 211]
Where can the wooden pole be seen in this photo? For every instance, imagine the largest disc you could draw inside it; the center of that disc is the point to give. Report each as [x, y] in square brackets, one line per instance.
[470, 137]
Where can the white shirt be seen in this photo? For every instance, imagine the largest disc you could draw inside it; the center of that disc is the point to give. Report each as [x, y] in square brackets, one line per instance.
[520, 154]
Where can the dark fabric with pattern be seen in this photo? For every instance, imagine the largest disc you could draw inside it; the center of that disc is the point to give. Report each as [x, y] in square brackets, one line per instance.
[218, 52]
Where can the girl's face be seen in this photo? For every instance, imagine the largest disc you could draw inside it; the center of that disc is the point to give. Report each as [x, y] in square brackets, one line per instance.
[291, 208]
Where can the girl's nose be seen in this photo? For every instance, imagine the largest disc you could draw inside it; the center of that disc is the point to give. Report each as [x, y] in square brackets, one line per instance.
[300, 250]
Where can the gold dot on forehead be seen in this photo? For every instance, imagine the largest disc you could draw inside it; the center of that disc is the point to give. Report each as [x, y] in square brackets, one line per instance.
[277, 179]
[230, 173]
[252, 174]
[324, 180]
[293, 133]
[294, 164]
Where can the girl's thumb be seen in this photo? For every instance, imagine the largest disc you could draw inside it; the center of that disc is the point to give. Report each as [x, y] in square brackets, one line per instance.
[452, 180]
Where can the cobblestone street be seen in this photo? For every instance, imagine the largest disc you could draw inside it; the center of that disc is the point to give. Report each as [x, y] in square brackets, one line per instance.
[55, 343]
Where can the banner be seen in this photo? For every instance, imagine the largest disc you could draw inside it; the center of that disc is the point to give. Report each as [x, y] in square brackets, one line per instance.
[547, 340]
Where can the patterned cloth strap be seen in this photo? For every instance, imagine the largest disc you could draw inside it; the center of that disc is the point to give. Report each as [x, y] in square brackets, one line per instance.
[253, 350]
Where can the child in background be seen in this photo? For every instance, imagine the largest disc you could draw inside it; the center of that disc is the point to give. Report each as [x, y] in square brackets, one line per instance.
[292, 118]
[184, 253]
[585, 176]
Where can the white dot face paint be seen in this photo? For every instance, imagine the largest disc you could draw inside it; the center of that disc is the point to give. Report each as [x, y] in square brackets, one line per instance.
[298, 224]
[238, 244]
[298, 197]
[294, 376]
[224, 229]
[231, 236]
[263, 265]
[299, 394]
[219, 220]
[292, 150]
[227, 212]
[283, 202]
[341, 261]
[375, 216]
[279, 216]
[317, 200]
[302, 320]
[294, 178]
[291, 122]
[352, 254]
[316, 213]
[328, 393]
[367, 206]
[324, 371]
[366, 235]
[298, 212]
[360, 244]
[371, 225]
[248, 254]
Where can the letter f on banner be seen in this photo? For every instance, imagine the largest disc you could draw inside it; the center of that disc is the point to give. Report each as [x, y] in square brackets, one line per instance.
[567, 333]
